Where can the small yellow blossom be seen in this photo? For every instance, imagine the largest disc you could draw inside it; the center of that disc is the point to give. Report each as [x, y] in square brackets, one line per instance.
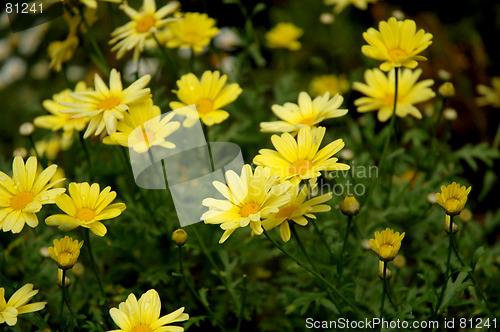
[17, 304]
[341, 4]
[490, 96]
[62, 51]
[397, 43]
[284, 35]
[180, 237]
[447, 90]
[194, 30]
[453, 198]
[386, 244]
[328, 83]
[65, 252]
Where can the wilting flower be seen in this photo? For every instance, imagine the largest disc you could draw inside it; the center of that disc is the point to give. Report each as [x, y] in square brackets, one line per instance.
[341, 4]
[328, 83]
[249, 198]
[65, 252]
[489, 95]
[154, 129]
[209, 94]
[144, 315]
[386, 244]
[142, 27]
[307, 113]
[299, 159]
[398, 43]
[194, 30]
[17, 304]
[379, 91]
[453, 198]
[284, 35]
[58, 120]
[23, 195]
[62, 51]
[86, 206]
[297, 209]
[105, 106]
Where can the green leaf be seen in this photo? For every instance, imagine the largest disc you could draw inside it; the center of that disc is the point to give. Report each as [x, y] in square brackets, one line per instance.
[483, 152]
[477, 254]
[258, 8]
[489, 181]
[453, 288]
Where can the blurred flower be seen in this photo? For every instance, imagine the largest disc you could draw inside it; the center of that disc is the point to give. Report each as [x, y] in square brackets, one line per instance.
[23, 195]
[78, 269]
[386, 244]
[250, 198]
[195, 31]
[65, 252]
[154, 128]
[453, 198]
[465, 216]
[85, 206]
[144, 315]
[17, 304]
[105, 106]
[146, 66]
[30, 39]
[26, 129]
[450, 114]
[180, 237]
[326, 18]
[209, 94]
[284, 35]
[444, 75]
[490, 95]
[341, 4]
[328, 83]
[48, 147]
[58, 120]
[308, 113]
[299, 159]
[350, 206]
[399, 261]
[21, 152]
[75, 73]
[227, 39]
[446, 90]
[431, 198]
[142, 27]
[40, 70]
[379, 91]
[13, 69]
[62, 51]
[398, 43]
[297, 209]
[347, 154]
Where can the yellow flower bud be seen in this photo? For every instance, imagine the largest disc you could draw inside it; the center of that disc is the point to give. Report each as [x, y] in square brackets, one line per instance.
[67, 281]
[447, 226]
[65, 252]
[447, 90]
[388, 273]
[179, 236]
[350, 206]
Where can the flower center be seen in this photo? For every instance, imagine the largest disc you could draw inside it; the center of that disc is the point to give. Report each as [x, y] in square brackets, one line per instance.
[388, 99]
[452, 203]
[308, 121]
[285, 212]
[109, 103]
[146, 23]
[64, 257]
[248, 209]
[141, 328]
[205, 106]
[20, 201]
[397, 54]
[192, 37]
[85, 214]
[300, 166]
[385, 250]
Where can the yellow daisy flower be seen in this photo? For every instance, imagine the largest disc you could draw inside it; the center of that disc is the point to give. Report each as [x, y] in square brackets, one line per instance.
[299, 159]
[17, 304]
[144, 315]
[284, 35]
[386, 244]
[328, 83]
[62, 51]
[58, 120]
[453, 198]
[154, 128]
[23, 195]
[194, 30]
[105, 106]
[143, 26]
[249, 198]
[297, 209]
[379, 91]
[341, 4]
[65, 252]
[398, 43]
[489, 95]
[209, 94]
[308, 113]
[86, 206]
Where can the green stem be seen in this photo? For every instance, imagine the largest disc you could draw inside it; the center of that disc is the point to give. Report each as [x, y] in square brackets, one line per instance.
[205, 132]
[314, 273]
[243, 303]
[94, 266]
[496, 140]
[346, 237]
[384, 290]
[321, 236]
[447, 273]
[63, 298]
[87, 154]
[166, 58]
[429, 159]
[99, 59]
[389, 136]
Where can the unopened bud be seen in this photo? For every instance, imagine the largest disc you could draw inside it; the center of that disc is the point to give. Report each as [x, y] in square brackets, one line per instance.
[20, 152]
[67, 281]
[447, 90]
[179, 236]
[350, 206]
[388, 273]
[465, 215]
[444, 74]
[26, 129]
[447, 226]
